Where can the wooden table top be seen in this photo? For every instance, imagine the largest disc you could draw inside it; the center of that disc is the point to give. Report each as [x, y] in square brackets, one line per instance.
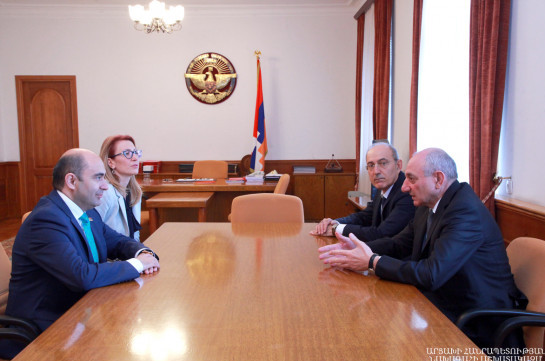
[247, 292]
[179, 199]
[220, 185]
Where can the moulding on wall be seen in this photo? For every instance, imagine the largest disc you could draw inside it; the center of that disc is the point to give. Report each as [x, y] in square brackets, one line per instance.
[56, 11]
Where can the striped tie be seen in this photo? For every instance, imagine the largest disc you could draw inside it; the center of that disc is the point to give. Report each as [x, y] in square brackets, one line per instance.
[89, 235]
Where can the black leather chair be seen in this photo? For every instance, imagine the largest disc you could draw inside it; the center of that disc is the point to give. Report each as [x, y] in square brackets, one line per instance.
[11, 327]
[526, 257]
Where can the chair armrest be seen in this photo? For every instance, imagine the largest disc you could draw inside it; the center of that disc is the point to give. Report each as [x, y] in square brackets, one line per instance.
[16, 334]
[28, 326]
[471, 314]
[512, 324]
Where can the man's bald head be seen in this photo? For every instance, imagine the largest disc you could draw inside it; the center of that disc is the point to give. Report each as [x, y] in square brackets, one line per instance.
[72, 161]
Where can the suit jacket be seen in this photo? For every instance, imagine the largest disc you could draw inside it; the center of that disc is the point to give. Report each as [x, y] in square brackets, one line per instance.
[114, 214]
[368, 224]
[460, 264]
[52, 266]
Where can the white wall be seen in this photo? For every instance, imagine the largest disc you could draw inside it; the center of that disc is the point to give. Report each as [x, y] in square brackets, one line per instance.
[132, 82]
[522, 142]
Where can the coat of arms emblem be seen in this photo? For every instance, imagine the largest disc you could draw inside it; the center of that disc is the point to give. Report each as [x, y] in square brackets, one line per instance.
[211, 78]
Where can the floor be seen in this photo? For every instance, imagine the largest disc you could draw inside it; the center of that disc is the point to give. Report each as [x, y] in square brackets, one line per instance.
[9, 227]
[8, 230]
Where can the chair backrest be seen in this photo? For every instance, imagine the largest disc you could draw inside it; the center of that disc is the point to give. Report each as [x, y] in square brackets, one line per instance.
[25, 216]
[526, 257]
[210, 169]
[267, 208]
[5, 270]
[282, 184]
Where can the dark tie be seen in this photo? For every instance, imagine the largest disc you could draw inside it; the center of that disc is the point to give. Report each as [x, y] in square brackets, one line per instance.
[89, 235]
[429, 222]
[382, 202]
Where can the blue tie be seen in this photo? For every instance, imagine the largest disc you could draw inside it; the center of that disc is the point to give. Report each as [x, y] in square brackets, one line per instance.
[89, 235]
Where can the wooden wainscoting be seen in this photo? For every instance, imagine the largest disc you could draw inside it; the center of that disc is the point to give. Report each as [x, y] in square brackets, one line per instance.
[324, 194]
[519, 219]
[9, 190]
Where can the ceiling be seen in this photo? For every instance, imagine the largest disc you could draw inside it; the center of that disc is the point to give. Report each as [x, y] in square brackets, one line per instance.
[184, 2]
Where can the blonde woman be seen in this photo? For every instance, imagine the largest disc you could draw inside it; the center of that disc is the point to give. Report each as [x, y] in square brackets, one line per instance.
[121, 203]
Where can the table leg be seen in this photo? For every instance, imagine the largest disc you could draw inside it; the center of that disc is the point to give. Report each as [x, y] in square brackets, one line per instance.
[153, 220]
[202, 214]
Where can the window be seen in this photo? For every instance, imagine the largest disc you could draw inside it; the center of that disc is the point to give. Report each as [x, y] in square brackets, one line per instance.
[443, 88]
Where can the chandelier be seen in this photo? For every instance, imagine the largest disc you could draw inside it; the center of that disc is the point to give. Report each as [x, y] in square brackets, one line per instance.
[157, 18]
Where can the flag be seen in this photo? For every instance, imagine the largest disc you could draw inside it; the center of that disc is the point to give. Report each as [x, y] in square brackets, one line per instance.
[260, 148]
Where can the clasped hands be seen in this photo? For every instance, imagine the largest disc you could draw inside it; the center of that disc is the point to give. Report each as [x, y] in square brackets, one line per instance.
[150, 263]
[349, 253]
[324, 228]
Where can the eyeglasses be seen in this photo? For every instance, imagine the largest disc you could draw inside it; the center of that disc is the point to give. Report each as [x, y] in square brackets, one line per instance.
[381, 163]
[129, 153]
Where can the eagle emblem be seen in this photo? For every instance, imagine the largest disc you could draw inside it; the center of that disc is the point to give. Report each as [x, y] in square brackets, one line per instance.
[211, 78]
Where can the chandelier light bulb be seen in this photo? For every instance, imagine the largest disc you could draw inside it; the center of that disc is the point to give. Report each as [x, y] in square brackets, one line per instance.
[157, 18]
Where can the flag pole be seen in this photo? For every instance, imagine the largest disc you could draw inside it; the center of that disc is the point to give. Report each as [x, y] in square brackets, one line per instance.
[259, 152]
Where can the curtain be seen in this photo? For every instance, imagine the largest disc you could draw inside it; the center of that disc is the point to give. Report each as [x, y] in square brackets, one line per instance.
[381, 91]
[413, 113]
[489, 34]
[366, 138]
[359, 75]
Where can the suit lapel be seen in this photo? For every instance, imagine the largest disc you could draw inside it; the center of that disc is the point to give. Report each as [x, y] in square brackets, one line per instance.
[419, 225]
[121, 204]
[376, 210]
[439, 212]
[55, 198]
[395, 189]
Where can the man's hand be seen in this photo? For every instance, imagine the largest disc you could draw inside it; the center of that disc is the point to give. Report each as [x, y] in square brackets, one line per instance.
[349, 253]
[324, 227]
[150, 263]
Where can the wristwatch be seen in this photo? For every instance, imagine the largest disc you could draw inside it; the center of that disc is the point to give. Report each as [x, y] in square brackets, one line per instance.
[371, 259]
[334, 228]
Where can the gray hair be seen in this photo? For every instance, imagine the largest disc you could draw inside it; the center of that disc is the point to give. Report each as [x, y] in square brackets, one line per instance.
[438, 160]
[392, 149]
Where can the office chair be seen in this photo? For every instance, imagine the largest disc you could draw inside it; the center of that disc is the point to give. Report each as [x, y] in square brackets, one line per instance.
[210, 169]
[526, 257]
[282, 184]
[267, 208]
[280, 188]
[26, 331]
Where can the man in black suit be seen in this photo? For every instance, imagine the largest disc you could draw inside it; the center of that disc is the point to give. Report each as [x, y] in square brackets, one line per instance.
[458, 261]
[391, 209]
[62, 249]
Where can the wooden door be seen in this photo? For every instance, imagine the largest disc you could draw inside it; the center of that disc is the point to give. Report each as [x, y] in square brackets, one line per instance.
[48, 126]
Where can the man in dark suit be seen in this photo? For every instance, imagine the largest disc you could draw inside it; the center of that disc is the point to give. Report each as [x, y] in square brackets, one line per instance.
[391, 209]
[56, 260]
[458, 261]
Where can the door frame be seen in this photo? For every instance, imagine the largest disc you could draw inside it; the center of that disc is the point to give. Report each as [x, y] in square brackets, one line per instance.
[23, 152]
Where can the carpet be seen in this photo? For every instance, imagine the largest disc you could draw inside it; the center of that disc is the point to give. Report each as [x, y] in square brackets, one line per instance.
[7, 244]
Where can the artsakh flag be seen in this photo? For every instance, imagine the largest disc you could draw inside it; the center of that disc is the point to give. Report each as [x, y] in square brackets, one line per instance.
[260, 148]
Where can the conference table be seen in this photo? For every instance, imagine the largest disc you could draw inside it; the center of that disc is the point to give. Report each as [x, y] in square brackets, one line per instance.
[249, 292]
[217, 209]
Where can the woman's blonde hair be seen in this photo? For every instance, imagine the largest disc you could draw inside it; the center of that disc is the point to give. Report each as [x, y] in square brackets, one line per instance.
[107, 151]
